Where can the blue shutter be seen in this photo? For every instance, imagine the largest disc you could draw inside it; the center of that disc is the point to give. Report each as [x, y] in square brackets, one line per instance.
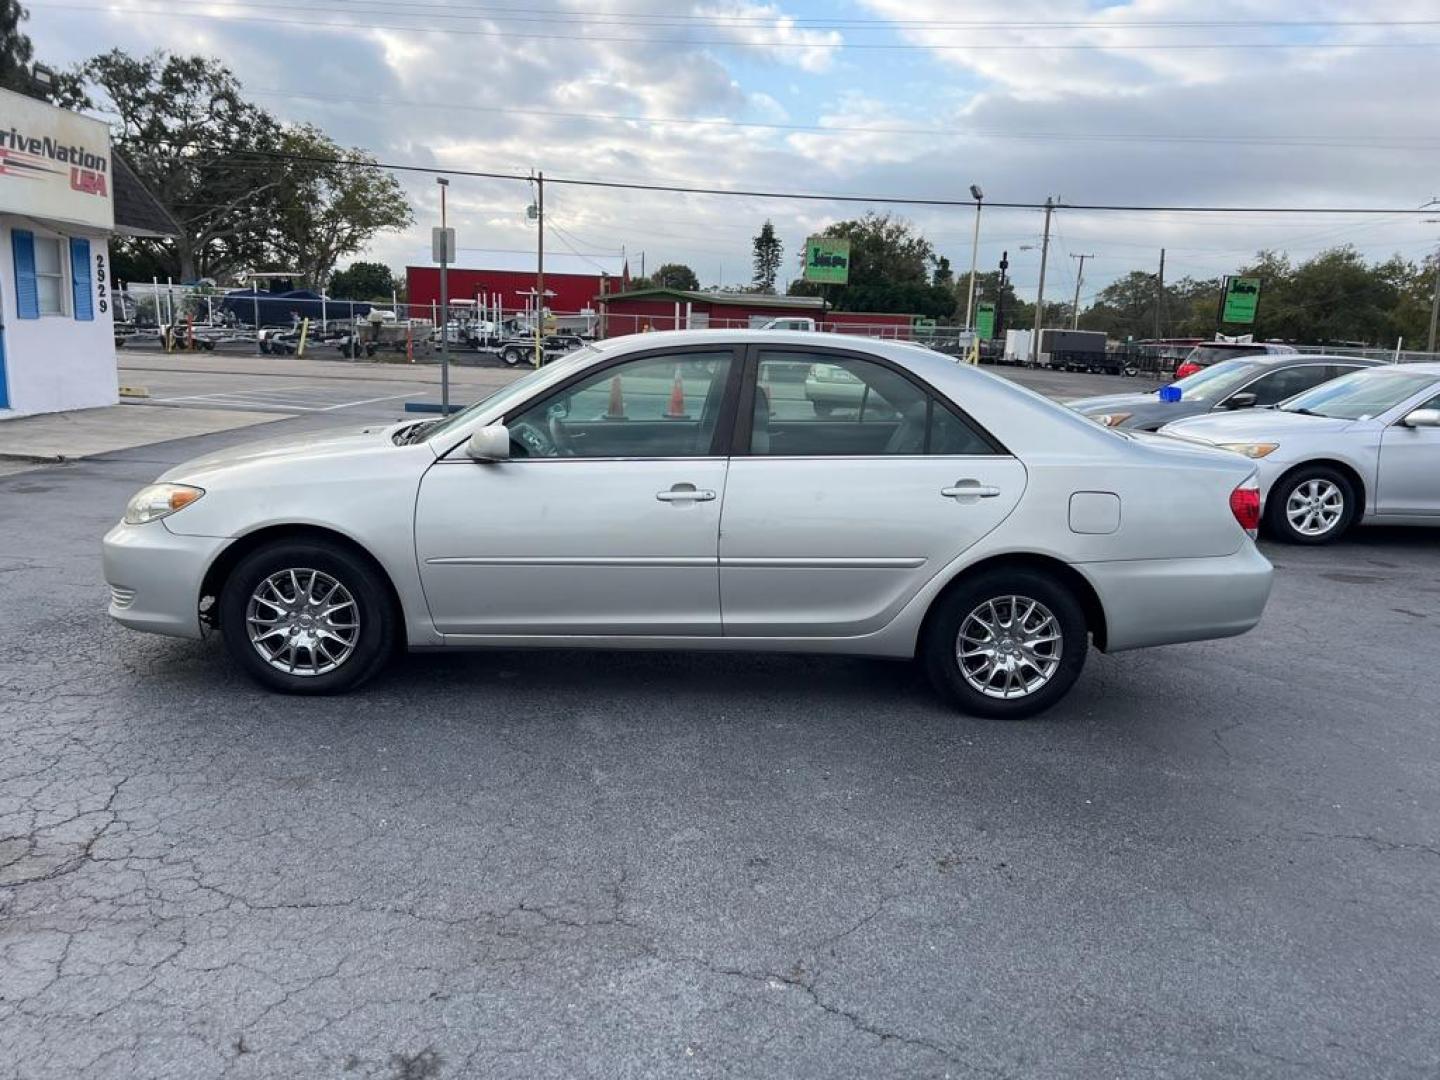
[27, 296]
[80, 279]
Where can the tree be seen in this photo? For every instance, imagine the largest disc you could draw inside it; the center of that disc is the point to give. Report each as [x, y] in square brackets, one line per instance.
[768, 253]
[889, 270]
[329, 209]
[944, 276]
[200, 149]
[247, 192]
[675, 276]
[15, 48]
[362, 281]
[16, 73]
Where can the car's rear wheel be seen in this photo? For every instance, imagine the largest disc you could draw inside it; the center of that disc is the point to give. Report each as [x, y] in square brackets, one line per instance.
[1006, 644]
[1314, 505]
[307, 617]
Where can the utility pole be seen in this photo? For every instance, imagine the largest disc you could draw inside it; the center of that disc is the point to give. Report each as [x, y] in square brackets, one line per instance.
[974, 257]
[1000, 297]
[1434, 307]
[1160, 296]
[1079, 277]
[1040, 289]
[539, 267]
[444, 183]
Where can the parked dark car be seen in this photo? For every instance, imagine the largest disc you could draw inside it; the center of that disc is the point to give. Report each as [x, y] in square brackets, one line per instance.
[1245, 382]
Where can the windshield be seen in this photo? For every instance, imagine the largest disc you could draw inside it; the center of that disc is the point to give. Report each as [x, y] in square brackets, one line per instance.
[1213, 354]
[1361, 394]
[1213, 383]
[516, 389]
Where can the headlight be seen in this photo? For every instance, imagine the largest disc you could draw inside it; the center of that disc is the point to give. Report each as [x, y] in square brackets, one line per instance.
[1251, 449]
[1111, 419]
[159, 500]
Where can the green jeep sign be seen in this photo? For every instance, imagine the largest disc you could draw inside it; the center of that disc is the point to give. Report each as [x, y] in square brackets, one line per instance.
[1242, 297]
[827, 260]
[985, 319]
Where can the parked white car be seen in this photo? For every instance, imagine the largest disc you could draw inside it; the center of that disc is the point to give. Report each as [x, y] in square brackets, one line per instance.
[1364, 448]
[948, 514]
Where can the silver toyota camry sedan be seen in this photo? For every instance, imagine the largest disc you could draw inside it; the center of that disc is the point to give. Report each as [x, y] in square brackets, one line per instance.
[681, 490]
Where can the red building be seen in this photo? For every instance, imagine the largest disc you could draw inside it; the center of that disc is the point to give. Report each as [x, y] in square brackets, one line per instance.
[642, 310]
[572, 292]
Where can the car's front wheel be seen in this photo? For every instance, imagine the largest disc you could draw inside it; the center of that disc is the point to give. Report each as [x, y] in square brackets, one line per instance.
[307, 617]
[1314, 505]
[1006, 644]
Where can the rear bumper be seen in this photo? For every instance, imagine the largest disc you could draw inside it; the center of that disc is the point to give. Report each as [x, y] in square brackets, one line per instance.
[155, 576]
[1164, 601]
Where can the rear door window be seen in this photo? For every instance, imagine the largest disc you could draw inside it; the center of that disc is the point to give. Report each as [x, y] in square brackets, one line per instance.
[824, 404]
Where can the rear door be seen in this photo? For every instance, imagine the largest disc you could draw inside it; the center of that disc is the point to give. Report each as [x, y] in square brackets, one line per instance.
[850, 486]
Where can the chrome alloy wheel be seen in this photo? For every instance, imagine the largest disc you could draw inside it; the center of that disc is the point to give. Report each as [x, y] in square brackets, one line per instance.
[1009, 647]
[1315, 507]
[302, 622]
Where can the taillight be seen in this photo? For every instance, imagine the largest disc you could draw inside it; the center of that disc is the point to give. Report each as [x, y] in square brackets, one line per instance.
[1245, 505]
[1186, 369]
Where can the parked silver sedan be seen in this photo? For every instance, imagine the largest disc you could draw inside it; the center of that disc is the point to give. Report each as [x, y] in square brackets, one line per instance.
[1362, 449]
[676, 490]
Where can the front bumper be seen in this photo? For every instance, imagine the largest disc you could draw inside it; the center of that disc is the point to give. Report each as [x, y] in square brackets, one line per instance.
[155, 576]
[1165, 601]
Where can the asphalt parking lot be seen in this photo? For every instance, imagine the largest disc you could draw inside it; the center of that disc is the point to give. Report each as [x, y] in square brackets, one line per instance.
[1219, 859]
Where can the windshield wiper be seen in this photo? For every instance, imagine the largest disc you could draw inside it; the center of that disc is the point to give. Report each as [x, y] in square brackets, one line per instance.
[1305, 412]
[411, 435]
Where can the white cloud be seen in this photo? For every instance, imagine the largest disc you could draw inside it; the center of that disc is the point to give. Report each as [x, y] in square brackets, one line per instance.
[768, 30]
[1085, 124]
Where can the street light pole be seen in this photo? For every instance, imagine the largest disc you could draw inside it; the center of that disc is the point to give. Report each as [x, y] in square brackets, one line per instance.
[974, 256]
[1079, 276]
[539, 266]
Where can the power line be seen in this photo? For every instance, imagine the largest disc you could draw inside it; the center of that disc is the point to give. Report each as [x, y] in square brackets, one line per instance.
[528, 13]
[898, 200]
[1348, 141]
[1190, 46]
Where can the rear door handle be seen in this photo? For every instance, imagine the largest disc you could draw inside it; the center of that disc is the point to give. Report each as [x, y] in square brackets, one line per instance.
[685, 493]
[970, 489]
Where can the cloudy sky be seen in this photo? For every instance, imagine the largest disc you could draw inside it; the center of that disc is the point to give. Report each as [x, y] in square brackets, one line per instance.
[1147, 102]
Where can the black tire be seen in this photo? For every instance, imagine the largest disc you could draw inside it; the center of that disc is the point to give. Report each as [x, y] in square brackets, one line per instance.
[511, 356]
[373, 645]
[1316, 478]
[941, 655]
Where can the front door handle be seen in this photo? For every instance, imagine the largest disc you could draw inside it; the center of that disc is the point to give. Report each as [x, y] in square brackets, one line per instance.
[969, 489]
[685, 493]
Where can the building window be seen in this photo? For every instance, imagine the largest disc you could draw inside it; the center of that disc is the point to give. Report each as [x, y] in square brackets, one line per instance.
[50, 275]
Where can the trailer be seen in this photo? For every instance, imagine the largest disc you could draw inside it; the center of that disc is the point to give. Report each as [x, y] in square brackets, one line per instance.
[1076, 350]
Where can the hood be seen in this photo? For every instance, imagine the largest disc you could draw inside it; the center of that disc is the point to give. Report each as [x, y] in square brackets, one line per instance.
[1146, 410]
[1253, 425]
[289, 449]
[1110, 403]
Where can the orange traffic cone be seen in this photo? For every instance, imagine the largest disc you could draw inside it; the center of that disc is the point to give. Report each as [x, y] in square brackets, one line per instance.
[616, 411]
[675, 410]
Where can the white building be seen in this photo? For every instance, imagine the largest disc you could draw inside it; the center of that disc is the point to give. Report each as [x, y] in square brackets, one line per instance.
[59, 206]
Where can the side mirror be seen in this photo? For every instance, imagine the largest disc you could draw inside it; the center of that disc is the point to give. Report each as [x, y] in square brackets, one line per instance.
[1422, 418]
[489, 444]
[1240, 401]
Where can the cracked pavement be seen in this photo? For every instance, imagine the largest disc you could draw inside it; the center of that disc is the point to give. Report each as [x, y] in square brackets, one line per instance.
[1218, 859]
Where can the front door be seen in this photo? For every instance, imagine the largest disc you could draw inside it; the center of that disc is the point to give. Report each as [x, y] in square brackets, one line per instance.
[1409, 481]
[604, 521]
[852, 488]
